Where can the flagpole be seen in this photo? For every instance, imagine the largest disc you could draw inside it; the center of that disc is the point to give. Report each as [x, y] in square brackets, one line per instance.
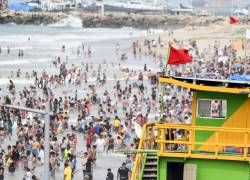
[165, 73]
[232, 8]
[161, 107]
[231, 55]
[230, 62]
[166, 65]
[231, 58]
[245, 61]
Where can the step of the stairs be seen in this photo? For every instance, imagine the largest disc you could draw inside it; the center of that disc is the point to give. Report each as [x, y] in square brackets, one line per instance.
[151, 163]
[152, 169]
[152, 157]
[150, 176]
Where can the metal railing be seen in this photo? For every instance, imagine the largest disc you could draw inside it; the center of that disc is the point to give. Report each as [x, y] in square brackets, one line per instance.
[146, 142]
[46, 174]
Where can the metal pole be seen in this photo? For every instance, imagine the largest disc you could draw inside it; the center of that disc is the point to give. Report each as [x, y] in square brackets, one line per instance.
[46, 147]
[23, 108]
[232, 8]
[46, 175]
[102, 9]
[246, 59]
[166, 7]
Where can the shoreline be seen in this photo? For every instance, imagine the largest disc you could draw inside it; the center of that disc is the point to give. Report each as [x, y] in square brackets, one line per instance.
[114, 20]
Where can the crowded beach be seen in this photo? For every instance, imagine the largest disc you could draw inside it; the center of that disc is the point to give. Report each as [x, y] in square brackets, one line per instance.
[98, 109]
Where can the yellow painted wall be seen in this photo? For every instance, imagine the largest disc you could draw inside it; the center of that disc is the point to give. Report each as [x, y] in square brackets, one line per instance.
[239, 119]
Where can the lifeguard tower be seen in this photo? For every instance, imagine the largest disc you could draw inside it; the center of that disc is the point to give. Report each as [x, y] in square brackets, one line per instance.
[216, 146]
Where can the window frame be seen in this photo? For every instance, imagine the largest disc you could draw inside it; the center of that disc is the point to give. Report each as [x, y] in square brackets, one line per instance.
[210, 117]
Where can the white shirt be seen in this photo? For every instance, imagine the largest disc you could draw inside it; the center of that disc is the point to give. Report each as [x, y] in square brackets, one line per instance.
[28, 176]
[41, 155]
[100, 145]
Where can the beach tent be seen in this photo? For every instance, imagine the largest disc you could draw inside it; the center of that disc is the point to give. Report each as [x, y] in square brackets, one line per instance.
[239, 77]
[20, 7]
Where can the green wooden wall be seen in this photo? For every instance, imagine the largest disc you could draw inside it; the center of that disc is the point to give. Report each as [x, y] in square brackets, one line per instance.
[210, 169]
[234, 101]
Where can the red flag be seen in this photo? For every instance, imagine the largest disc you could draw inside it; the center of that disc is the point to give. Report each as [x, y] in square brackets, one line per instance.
[178, 56]
[233, 20]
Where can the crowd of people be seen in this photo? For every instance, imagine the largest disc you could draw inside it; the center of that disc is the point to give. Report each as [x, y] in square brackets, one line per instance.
[103, 118]
[99, 103]
[215, 61]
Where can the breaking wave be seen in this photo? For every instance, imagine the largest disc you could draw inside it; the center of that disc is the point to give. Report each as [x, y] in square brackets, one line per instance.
[69, 22]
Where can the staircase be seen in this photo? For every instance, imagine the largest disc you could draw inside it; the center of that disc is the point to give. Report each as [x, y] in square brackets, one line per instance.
[150, 168]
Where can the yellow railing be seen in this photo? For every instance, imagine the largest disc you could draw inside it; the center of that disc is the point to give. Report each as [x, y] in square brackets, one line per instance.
[146, 142]
[223, 143]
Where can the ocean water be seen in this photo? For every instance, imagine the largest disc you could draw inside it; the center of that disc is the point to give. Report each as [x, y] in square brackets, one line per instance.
[42, 44]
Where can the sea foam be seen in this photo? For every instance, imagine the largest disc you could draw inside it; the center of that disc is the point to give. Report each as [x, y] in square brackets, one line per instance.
[70, 22]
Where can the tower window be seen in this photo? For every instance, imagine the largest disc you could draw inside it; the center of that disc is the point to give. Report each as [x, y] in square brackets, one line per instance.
[211, 108]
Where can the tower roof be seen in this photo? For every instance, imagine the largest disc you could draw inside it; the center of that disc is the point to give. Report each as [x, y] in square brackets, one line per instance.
[225, 86]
